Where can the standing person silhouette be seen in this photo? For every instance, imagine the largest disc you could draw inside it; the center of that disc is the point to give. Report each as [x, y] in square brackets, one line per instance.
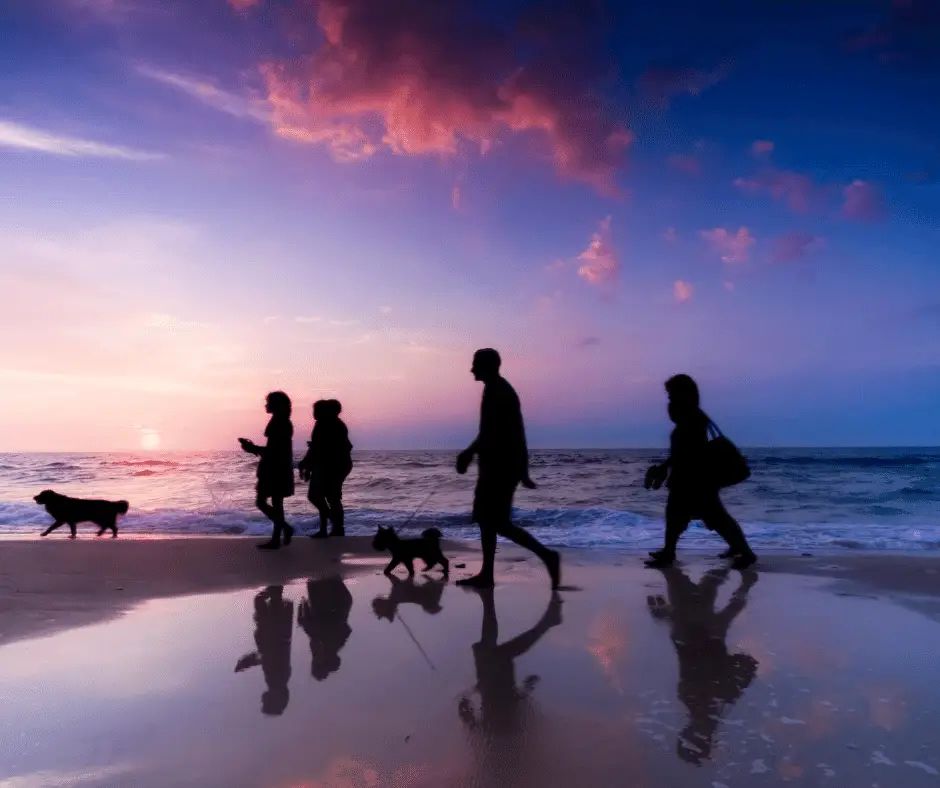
[276, 467]
[503, 459]
[326, 465]
[691, 495]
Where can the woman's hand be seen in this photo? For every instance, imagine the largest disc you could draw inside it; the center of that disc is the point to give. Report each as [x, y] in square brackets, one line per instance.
[463, 461]
[527, 482]
[655, 476]
[247, 445]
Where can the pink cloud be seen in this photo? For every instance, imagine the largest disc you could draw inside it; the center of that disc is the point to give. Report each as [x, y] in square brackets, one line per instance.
[761, 147]
[689, 165]
[862, 201]
[682, 291]
[794, 246]
[243, 5]
[797, 190]
[661, 84]
[600, 261]
[420, 79]
[732, 247]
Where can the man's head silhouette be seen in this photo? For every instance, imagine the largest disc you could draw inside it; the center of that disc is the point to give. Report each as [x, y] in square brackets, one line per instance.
[486, 363]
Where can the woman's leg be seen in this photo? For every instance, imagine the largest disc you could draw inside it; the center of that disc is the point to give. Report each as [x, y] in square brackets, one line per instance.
[678, 517]
[275, 513]
[334, 501]
[716, 517]
[316, 497]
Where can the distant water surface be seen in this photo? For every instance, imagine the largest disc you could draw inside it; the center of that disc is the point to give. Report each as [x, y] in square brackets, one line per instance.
[876, 499]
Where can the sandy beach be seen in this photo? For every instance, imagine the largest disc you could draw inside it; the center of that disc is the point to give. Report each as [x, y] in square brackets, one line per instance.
[118, 662]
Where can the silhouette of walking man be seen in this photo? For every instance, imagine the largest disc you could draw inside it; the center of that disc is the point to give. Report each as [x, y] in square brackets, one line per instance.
[276, 467]
[710, 679]
[324, 616]
[503, 460]
[274, 624]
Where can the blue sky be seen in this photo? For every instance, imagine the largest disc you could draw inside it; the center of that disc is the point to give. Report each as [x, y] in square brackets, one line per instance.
[208, 200]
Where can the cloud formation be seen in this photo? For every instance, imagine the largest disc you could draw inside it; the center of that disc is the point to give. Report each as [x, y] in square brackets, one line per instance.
[682, 291]
[794, 246]
[417, 78]
[760, 147]
[28, 138]
[688, 165]
[731, 247]
[203, 90]
[661, 84]
[862, 201]
[243, 5]
[798, 191]
[600, 261]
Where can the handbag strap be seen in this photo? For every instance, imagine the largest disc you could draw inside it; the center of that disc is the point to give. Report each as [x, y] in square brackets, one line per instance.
[714, 427]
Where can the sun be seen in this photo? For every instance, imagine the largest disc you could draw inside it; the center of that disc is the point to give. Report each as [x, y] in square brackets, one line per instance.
[149, 439]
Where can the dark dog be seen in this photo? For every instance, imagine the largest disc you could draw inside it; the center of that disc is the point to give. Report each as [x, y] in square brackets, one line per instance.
[405, 551]
[73, 511]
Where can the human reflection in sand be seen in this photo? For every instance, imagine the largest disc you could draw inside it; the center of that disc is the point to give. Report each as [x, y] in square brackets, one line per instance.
[710, 679]
[426, 595]
[324, 616]
[274, 623]
[504, 722]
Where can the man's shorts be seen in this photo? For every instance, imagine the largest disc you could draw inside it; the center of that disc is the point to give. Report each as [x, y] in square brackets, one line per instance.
[492, 500]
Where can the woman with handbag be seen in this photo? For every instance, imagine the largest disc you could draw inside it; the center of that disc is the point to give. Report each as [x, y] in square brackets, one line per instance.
[697, 468]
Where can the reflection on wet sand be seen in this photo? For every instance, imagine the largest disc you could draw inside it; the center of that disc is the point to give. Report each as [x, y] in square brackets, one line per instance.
[710, 679]
[324, 616]
[504, 724]
[426, 595]
[274, 622]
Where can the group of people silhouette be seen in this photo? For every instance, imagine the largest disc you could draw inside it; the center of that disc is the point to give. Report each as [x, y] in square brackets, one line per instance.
[711, 679]
[502, 456]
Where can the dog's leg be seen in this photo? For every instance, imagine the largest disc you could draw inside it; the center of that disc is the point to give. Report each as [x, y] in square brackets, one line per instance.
[392, 564]
[114, 531]
[74, 532]
[429, 563]
[102, 529]
[445, 564]
[410, 564]
[52, 527]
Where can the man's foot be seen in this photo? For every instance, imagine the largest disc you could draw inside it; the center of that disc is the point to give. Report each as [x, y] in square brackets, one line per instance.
[553, 565]
[663, 562]
[288, 534]
[319, 535]
[744, 560]
[658, 553]
[337, 532]
[731, 552]
[271, 545]
[477, 581]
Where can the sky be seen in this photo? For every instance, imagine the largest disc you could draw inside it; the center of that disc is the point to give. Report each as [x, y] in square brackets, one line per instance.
[205, 200]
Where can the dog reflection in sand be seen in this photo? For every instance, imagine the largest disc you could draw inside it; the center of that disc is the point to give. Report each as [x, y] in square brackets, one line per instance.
[710, 679]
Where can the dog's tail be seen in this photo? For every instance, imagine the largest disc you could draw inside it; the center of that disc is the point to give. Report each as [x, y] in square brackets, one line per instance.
[432, 535]
[122, 507]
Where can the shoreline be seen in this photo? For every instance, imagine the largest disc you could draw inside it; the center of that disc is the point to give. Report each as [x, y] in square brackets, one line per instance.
[51, 584]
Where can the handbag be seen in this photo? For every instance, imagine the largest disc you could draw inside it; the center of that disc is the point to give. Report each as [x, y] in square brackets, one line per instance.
[724, 464]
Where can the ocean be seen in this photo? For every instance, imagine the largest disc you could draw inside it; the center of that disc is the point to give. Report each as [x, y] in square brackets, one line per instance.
[796, 499]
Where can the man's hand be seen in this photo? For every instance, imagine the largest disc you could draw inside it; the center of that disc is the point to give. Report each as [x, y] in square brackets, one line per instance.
[247, 445]
[463, 461]
[528, 483]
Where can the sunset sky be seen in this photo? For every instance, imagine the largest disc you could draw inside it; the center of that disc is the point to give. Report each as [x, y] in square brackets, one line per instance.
[204, 200]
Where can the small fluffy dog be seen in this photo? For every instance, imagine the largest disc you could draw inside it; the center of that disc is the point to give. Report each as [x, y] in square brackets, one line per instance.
[405, 551]
[73, 511]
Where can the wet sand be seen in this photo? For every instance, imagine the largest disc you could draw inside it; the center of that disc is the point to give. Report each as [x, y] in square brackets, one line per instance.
[809, 671]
